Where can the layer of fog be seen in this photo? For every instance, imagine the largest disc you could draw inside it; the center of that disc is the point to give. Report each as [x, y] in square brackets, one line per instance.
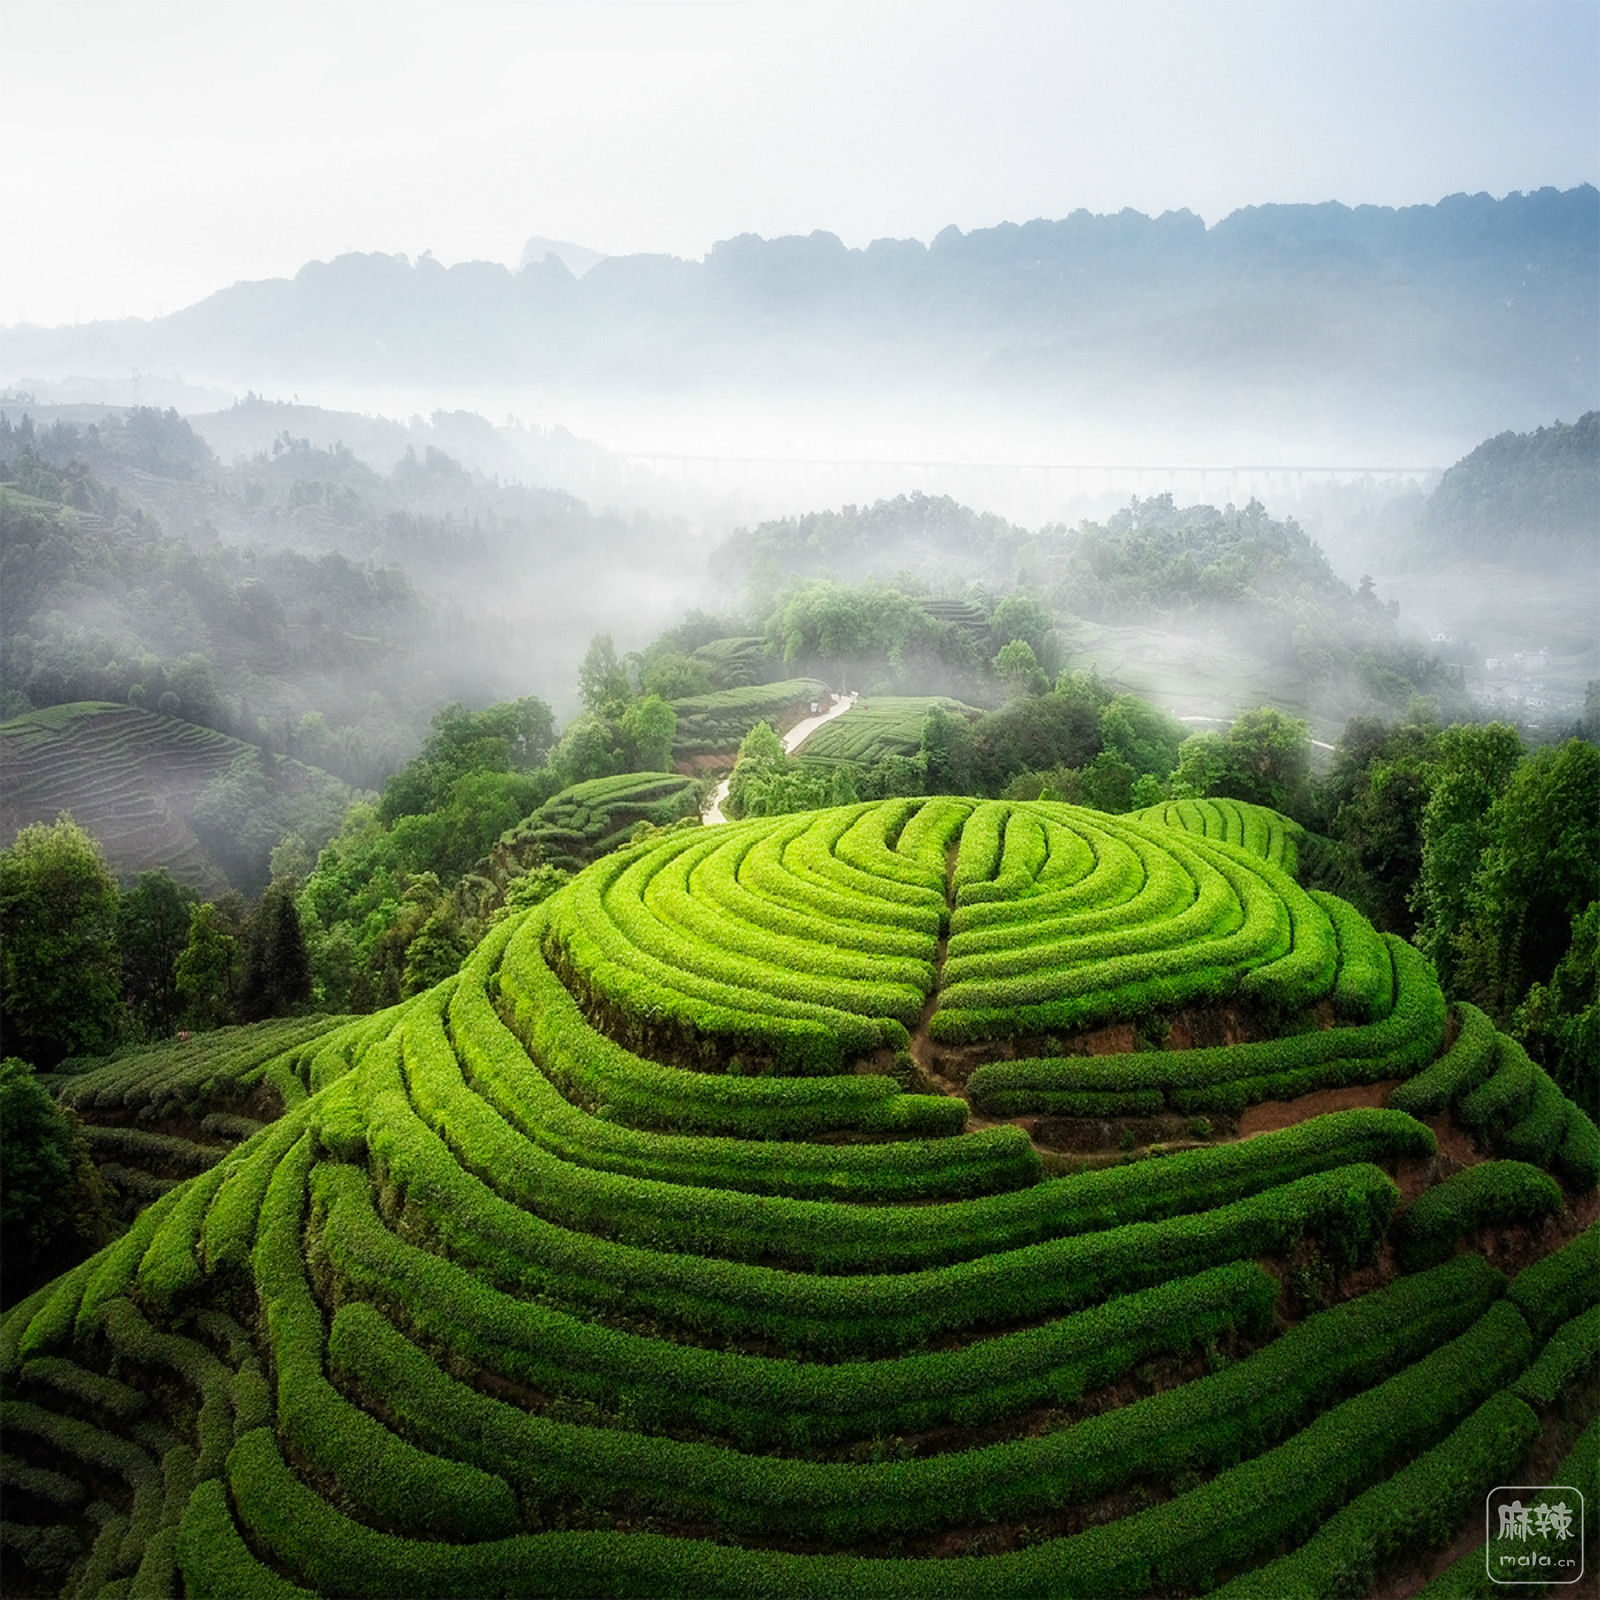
[676, 482]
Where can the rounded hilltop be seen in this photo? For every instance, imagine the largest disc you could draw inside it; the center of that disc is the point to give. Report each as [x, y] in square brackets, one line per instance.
[918, 1198]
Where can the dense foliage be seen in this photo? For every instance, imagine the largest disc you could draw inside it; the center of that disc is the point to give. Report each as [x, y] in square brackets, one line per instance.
[524, 1280]
[1530, 499]
[59, 964]
[1255, 587]
[53, 1205]
[309, 655]
[296, 597]
[1490, 856]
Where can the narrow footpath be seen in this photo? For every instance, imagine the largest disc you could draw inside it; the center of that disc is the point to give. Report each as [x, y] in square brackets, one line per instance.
[792, 741]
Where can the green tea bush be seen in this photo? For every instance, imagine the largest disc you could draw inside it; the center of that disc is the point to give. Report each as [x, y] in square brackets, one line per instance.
[1467, 1578]
[1421, 1505]
[1208, 1422]
[1364, 989]
[622, 1263]
[1571, 1351]
[1578, 1155]
[1461, 1069]
[1490, 1110]
[594, 1071]
[761, 1402]
[1261, 831]
[1227, 1077]
[1497, 1193]
[1556, 1289]
[713, 724]
[376, 1469]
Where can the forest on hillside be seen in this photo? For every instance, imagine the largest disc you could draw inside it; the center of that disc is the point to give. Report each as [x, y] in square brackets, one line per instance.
[1529, 498]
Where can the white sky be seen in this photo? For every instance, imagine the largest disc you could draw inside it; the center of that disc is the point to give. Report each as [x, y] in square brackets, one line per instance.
[156, 152]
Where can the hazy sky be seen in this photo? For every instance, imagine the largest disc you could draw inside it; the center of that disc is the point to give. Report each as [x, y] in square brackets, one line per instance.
[155, 152]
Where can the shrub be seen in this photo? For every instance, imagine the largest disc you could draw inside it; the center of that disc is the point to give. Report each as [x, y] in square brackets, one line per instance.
[1556, 1289]
[1499, 1193]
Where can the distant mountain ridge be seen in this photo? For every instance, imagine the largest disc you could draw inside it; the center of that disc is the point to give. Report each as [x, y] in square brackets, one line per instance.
[577, 258]
[1482, 311]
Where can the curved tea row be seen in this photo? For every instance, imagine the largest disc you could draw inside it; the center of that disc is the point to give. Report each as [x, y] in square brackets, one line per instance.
[503, 1305]
[804, 944]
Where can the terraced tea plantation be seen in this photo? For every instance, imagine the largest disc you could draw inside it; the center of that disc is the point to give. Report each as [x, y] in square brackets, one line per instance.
[152, 1118]
[131, 778]
[713, 724]
[584, 822]
[886, 725]
[641, 1259]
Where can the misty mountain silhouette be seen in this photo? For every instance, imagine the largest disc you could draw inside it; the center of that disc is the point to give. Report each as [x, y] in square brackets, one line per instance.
[1480, 311]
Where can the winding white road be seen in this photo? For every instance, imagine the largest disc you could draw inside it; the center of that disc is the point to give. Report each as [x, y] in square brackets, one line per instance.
[792, 741]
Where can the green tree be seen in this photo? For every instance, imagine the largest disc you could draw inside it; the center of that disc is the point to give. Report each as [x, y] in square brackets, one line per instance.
[1106, 783]
[1020, 617]
[675, 676]
[895, 775]
[1017, 667]
[1471, 768]
[591, 747]
[512, 737]
[60, 972]
[602, 682]
[1539, 871]
[152, 929]
[1085, 689]
[1559, 1022]
[437, 950]
[238, 817]
[846, 627]
[207, 971]
[277, 969]
[1264, 757]
[649, 727]
[947, 751]
[1033, 733]
[1270, 756]
[290, 863]
[1203, 767]
[760, 763]
[1372, 802]
[842, 790]
[1146, 791]
[54, 1207]
[1144, 737]
[532, 888]
[761, 744]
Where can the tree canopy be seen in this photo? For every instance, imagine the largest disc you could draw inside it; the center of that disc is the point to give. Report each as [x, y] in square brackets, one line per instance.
[60, 990]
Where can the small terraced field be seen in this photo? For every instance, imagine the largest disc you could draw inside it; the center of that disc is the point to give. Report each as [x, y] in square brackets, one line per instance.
[930, 1198]
[886, 725]
[713, 724]
[130, 777]
[155, 1117]
[584, 822]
